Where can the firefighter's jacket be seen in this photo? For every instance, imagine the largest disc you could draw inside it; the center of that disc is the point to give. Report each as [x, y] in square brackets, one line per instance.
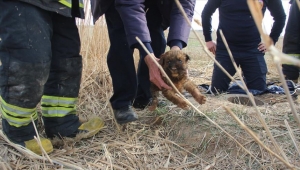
[68, 8]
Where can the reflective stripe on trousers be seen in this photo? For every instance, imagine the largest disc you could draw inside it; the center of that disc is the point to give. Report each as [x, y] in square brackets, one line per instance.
[297, 56]
[54, 106]
[68, 3]
[17, 116]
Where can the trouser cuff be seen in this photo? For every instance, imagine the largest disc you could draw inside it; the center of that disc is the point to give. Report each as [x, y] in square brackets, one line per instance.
[18, 134]
[66, 126]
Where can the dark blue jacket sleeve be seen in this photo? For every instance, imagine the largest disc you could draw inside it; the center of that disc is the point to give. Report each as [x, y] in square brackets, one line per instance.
[99, 7]
[179, 28]
[208, 10]
[277, 12]
[134, 20]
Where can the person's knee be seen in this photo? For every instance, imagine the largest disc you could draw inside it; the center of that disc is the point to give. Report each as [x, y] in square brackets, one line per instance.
[257, 84]
[219, 86]
[22, 82]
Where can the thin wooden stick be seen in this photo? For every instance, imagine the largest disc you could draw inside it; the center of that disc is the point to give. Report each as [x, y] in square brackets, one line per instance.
[298, 3]
[204, 46]
[190, 104]
[28, 153]
[258, 113]
[287, 92]
[268, 42]
[159, 66]
[292, 135]
[254, 136]
[38, 140]
[278, 57]
[256, 12]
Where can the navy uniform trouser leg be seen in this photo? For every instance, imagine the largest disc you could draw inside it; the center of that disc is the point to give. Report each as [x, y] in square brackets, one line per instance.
[220, 81]
[254, 69]
[127, 84]
[158, 45]
[253, 66]
[120, 62]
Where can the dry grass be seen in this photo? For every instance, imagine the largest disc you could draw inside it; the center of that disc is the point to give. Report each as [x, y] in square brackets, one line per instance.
[168, 138]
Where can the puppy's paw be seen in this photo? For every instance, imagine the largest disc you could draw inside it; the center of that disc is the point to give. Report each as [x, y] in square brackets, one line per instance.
[201, 99]
[152, 108]
[183, 105]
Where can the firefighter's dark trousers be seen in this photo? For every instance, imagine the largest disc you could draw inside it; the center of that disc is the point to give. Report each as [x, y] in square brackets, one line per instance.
[40, 61]
[127, 84]
[290, 71]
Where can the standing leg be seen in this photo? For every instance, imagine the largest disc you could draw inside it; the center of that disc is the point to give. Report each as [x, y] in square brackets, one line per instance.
[25, 54]
[291, 72]
[62, 87]
[121, 67]
[158, 45]
[120, 62]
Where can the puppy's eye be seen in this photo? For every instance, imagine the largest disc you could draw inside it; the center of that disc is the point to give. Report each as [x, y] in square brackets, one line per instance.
[179, 61]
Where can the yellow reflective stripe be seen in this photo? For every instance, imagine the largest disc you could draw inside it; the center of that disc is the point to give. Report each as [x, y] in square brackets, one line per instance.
[68, 3]
[47, 103]
[18, 122]
[59, 101]
[292, 55]
[295, 55]
[81, 4]
[54, 106]
[57, 111]
[16, 110]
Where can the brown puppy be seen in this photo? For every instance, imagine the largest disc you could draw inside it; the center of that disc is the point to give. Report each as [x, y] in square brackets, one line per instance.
[175, 65]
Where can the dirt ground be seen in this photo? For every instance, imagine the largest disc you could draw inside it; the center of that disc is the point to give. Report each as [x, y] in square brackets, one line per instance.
[195, 133]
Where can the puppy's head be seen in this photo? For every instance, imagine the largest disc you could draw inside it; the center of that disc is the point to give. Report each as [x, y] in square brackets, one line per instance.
[174, 63]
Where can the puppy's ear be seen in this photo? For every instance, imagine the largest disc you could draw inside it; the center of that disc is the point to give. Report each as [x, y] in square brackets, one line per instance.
[162, 59]
[187, 57]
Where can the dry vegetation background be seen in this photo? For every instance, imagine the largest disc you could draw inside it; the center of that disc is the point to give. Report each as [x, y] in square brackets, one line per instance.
[168, 138]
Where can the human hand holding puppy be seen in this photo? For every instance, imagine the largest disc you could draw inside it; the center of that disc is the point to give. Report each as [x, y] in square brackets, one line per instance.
[174, 63]
[154, 73]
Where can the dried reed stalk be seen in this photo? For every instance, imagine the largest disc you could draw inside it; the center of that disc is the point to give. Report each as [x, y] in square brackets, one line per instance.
[190, 104]
[286, 89]
[204, 46]
[292, 135]
[256, 12]
[254, 136]
[298, 3]
[173, 143]
[29, 154]
[107, 155]
[39, 141]
[258, 113]
[268, 43]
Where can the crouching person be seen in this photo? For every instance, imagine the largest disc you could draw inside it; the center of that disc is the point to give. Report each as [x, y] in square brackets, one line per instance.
[40, 61]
